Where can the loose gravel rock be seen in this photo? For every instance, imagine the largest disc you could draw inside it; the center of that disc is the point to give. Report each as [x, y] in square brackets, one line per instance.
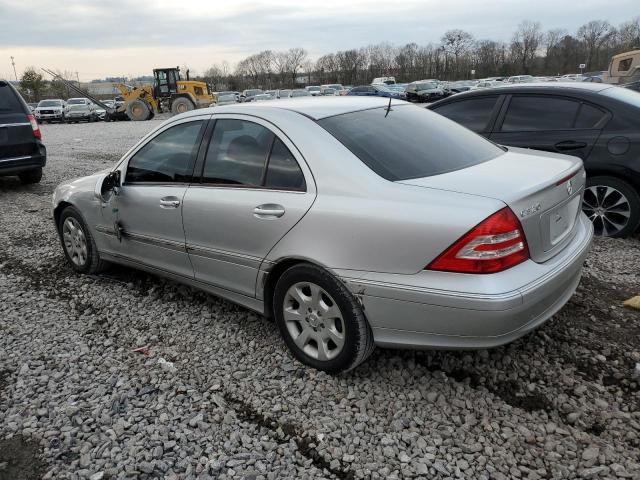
[215, 394]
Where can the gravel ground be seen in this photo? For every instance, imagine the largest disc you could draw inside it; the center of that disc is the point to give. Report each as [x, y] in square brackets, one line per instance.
[218, 395]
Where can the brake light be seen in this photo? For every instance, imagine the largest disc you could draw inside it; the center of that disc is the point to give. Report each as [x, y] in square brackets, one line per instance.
[494, 245]
[34, 126]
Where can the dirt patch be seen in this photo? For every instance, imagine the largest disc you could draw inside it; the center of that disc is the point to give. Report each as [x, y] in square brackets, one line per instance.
[20, 460]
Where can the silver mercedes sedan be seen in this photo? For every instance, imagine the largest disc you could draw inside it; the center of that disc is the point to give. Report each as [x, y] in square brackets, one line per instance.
[352, 221]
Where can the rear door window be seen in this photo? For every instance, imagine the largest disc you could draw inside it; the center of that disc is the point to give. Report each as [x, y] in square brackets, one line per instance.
[408, 141]
[283, 171]
[589, 116]
[473, 113]
[237, 153]
[535, 113]
[9, 102]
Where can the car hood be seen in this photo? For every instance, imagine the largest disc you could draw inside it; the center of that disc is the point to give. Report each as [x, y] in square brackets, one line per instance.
[78, 107]
[57, 107]
[429, 91]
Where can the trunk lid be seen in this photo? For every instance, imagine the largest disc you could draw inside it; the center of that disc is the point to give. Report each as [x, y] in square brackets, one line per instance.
[543, 189]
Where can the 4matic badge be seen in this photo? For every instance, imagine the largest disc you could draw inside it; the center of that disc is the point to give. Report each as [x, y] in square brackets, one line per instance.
[530, 210]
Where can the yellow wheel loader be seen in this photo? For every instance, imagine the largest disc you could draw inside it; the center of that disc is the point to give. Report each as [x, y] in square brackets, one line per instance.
[169, 93]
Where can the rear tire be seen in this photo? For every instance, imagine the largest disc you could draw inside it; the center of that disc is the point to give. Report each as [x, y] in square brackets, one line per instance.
[77, 243]
[138, 110]
[612, 205]
[181, 105]
[320, 320]
[31, 176]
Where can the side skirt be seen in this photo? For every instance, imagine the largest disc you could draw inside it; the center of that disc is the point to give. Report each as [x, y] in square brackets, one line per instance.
[242, 300]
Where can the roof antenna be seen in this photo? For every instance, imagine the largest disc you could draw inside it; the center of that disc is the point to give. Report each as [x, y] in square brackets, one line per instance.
[388, 108]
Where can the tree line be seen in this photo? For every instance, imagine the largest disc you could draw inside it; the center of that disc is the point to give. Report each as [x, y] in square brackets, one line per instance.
[531, 50]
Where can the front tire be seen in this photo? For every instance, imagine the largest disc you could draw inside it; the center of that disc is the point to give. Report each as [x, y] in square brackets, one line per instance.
[320, 320]
[77, 242]
[181, 105]
[138, 110]
[612, 205]
[31, 176]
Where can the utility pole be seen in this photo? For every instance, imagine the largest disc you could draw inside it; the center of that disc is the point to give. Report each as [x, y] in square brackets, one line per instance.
[13, 63]
[78, 78]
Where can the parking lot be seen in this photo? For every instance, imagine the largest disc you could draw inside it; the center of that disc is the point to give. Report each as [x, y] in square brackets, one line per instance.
[215, 393]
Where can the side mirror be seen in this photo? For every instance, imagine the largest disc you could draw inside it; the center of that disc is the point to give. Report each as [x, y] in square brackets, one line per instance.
[107, 185]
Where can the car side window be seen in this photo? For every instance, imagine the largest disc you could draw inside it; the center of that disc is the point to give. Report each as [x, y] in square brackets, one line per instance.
[473, 113]
[589, 116]
[237, 153]
[168, 157]
[283, 172]
[535, 113]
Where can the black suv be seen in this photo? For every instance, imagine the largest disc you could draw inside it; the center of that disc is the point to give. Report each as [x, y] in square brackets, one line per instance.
[597, 122]
[22, 152]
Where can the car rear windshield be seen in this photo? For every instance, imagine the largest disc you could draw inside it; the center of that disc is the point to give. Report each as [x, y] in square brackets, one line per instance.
[623, 94]
[409, 141]
[9, 102]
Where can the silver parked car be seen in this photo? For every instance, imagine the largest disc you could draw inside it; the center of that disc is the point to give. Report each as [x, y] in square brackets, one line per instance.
[353, 221]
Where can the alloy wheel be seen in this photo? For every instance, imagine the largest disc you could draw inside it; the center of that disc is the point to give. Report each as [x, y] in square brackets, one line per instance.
[75, 242]
[607, 208]
[314, 321]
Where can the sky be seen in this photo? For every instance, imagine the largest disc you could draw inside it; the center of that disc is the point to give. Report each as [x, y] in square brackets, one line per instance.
[98, 38]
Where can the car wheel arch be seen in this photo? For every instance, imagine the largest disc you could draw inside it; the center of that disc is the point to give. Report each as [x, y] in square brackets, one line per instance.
[270, 280]
[57, 211]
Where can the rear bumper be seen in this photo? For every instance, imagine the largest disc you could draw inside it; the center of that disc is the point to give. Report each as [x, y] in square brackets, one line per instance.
[472, 312]
[11, 166]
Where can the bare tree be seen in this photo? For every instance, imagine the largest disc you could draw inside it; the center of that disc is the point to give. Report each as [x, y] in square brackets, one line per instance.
[629, 34]
[458, 43]
[594, 34]
[525, 43]
[295, 59]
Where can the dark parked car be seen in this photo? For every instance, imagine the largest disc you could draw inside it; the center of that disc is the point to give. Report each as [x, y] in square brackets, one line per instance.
[425, 91]
[22, 152]
[597, 122]
[375, 91]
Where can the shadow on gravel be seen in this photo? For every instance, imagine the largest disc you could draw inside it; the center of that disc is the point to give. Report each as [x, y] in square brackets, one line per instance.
[13, 185]
[20, 460]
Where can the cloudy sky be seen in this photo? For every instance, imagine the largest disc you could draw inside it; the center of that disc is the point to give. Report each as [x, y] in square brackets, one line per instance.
[100, 38]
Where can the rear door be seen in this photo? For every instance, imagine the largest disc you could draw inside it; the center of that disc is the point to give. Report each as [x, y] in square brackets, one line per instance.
[550, 123]
[16, 133]
[254, 187]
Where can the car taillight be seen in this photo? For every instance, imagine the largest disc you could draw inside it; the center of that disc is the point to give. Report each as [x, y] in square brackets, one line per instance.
[34, 126]
[494, 245]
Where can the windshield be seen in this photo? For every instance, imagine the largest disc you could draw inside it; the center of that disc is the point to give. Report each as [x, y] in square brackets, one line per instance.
[50, 103]
[409, 142]
[303, 93]
[76, 101]
[250, 93]
[426, 86]
[383, 88]
[313, 89]
[625, 95]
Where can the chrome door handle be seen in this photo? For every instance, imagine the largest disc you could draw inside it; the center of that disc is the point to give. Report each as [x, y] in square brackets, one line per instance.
[268, 210]
[169, 203]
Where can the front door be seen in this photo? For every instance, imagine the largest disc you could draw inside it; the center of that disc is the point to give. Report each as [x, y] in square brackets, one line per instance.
[252, 191]
[146, 213]
[550, 123]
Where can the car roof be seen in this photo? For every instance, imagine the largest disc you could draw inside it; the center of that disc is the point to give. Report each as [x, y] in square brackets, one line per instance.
[312, 107]
[538, 87]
